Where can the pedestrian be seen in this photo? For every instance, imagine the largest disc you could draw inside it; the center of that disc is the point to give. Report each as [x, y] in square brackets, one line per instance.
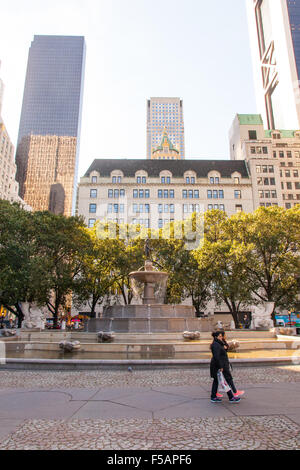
[236, 393]
[220, 362]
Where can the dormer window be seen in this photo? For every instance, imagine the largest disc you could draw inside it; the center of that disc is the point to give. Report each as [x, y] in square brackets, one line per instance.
[141, 180]
[214, 180]
[165, 179]
[276, 135]
[117, 179]
[94, 179]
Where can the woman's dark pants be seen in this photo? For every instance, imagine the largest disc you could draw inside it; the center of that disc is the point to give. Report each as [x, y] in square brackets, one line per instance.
[229, 380]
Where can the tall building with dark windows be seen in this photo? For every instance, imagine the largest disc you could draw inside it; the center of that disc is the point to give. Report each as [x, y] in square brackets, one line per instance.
[50, 123]
[274, 27]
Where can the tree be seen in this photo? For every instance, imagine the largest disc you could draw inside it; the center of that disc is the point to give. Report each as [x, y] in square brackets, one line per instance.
[273, 265]
[21, 270]
[224, 259]
[95, 279]
[63, 243]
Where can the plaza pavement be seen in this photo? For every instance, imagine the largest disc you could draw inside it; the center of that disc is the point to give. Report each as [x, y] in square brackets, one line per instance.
[161, 409]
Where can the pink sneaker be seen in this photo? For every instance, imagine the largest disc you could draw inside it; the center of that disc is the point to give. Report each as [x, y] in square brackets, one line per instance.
[239, 393]
[218, 395]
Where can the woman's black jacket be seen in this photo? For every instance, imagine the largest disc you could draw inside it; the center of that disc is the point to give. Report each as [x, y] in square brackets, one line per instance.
[220, 359]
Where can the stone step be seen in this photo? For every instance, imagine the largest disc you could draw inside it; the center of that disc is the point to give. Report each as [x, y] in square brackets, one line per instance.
[147, 348]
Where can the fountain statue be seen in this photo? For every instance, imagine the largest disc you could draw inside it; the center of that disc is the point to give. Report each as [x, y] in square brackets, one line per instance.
[34, 316]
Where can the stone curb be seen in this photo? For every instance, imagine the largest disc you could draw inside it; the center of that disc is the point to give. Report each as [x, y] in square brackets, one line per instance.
[88, 364]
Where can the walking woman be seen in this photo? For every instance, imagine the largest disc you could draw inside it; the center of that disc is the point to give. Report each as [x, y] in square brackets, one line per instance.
[220, 362]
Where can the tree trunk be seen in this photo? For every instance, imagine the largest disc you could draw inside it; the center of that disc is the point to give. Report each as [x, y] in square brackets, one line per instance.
[93, 308]
[18, 312]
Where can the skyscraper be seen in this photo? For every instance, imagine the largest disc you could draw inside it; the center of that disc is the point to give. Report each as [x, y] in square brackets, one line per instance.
[165, 115]
[51, 114]
[1, 93]
[274, 27]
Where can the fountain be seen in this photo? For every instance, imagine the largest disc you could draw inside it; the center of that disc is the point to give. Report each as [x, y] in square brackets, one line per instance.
[150, 314]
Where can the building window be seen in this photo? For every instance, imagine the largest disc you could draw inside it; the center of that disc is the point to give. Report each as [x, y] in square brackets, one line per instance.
[122, 192]
[147, 193]
[191, 194]
[109, 208]
[110, 193]
[184, 194]
[252, 135]
[236, 180]
[265, 150]
[289, 154]
[239, 208]
[214, 180]
[93, 208]
[237, 194]
[171, 193]
[135, 193]
[221, 194]
[252, 150]
[91, 223]
[274, 154]
[160, 193]
[93, 193]
[209, 194]
[94, 180]
[192, 180]
[116, 194]
[187, 180]
[196, 194]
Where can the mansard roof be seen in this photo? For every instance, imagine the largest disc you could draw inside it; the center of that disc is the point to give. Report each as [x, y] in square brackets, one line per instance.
[129, 167]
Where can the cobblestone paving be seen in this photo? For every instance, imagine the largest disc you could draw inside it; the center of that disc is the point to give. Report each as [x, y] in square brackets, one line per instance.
[153, 378]
[261, 433]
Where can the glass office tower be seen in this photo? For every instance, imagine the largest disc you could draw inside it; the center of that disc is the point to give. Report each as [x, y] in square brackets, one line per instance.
[52, 105]
[274, 27]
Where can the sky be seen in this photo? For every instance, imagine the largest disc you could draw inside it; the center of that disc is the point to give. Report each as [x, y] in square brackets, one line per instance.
[197, 50]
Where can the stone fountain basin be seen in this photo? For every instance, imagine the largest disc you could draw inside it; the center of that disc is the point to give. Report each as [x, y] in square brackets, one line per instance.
[150, 277]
